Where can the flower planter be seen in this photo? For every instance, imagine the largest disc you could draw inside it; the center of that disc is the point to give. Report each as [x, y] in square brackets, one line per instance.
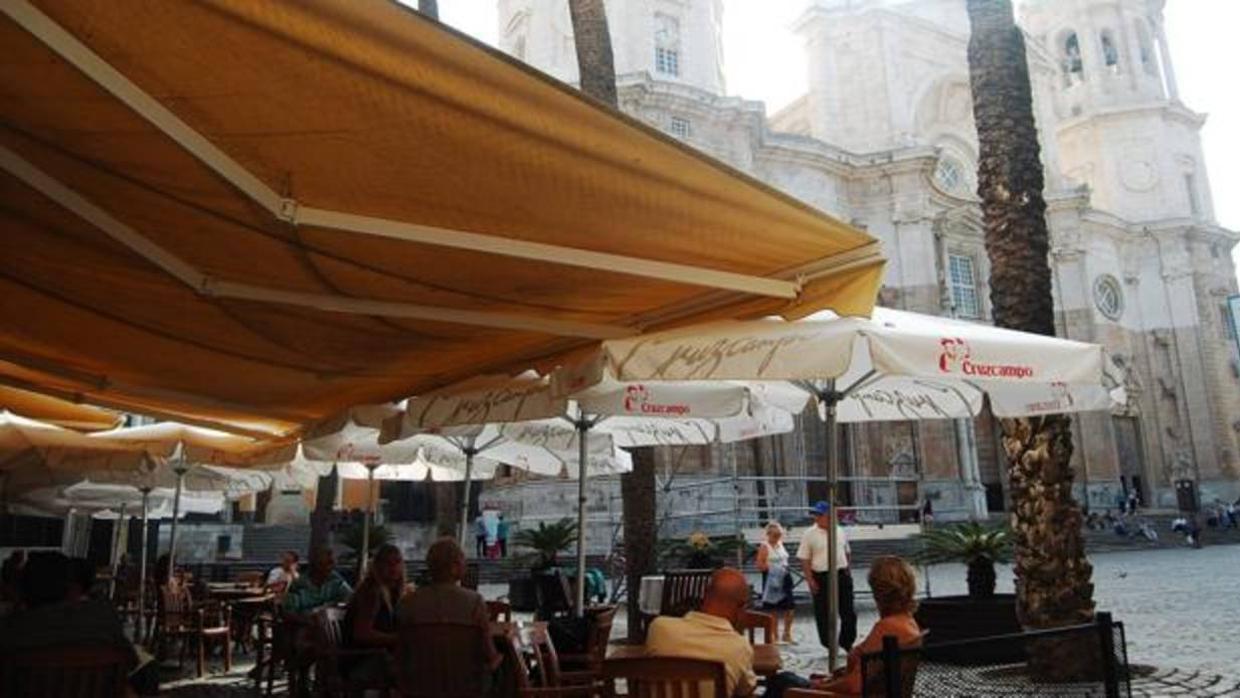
[954, 618]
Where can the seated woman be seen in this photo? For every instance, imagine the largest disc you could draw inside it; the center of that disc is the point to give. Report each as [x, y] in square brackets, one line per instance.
[893, 584]
[370, 621]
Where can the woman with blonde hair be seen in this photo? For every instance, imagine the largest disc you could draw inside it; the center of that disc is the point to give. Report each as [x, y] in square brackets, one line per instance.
[776, 578]
[893, 583]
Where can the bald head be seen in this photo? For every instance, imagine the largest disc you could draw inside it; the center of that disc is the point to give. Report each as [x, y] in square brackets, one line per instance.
[727, 594]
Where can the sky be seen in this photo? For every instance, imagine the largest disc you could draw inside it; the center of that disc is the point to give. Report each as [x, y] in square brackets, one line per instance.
[764, 60]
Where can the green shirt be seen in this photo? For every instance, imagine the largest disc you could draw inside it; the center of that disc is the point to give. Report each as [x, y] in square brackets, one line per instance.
[304, 595]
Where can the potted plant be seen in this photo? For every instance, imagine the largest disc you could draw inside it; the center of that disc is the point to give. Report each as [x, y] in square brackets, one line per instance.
[702, 552]
[545, 544]
[351, 538]
[981, 613]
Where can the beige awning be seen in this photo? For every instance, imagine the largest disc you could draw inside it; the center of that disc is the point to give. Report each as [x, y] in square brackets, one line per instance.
[261, 213]
[61, 413]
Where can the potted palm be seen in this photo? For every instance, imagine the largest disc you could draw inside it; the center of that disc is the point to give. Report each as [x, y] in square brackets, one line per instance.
[980, 613]
[544, 545]
[702, 552]
[351, 538]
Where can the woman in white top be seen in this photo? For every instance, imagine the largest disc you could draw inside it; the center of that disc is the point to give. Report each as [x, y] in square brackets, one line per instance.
[776, 578]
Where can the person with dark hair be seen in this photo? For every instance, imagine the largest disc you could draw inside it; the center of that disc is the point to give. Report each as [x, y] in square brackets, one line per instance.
[52, 617]
[893, 583]
[81, 579]
[321, 587]
[370, 621]
[281, 577]
[444, 600]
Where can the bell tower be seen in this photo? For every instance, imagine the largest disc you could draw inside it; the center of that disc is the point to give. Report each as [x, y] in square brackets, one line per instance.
[670, 40]
[1120, 125]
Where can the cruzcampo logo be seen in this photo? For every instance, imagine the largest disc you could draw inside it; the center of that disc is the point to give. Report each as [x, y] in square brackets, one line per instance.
[956, 356]
[637, 400]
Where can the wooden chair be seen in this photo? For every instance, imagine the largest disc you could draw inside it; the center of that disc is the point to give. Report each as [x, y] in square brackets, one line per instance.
[753, 621]
[329, 650]
[499, 611]
[533, 648]
[659, 677]
[683, 591]
[212, 625]
[472, 575]
[79, 671]
[587, 667]
[442, 660]
[174, 620]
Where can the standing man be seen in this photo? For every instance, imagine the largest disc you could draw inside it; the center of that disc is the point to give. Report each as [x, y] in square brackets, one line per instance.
[815, 564]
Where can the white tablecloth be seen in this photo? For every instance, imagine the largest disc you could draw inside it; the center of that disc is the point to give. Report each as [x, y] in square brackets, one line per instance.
[650, 596]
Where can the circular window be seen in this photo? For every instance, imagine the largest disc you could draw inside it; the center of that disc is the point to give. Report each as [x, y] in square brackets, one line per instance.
[950, 175]
[1108, 296]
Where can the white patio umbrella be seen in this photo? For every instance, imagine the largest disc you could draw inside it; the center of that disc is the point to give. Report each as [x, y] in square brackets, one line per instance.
[182, 447]
[894, 366]
[527, 410]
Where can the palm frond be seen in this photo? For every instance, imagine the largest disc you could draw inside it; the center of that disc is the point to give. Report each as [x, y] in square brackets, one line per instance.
[967, 542]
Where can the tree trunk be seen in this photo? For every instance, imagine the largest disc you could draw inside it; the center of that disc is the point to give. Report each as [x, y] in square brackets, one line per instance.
[430, 8]
[595, 62]
[637, 492]
[321, 517]
[1053, 584]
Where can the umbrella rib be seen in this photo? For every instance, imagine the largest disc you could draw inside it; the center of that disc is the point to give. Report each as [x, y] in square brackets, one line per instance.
[212, 287]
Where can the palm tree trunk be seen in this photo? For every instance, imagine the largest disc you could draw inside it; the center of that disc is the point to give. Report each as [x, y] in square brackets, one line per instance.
[637, 493]
[595, 61]
[1052, 572]
[430, 8]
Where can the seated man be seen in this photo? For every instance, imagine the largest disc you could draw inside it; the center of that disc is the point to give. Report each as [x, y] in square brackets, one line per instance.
[281, 577]
[56, 614]
[710, 633]
[444, 600]
[323, 586]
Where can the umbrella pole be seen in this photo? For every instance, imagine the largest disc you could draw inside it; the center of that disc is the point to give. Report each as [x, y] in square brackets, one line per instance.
[583, 434]
[116, 550]
[176, 514]
[831, 401]
[146, 494]
[470, 452]
[736, 508]
[370, 511]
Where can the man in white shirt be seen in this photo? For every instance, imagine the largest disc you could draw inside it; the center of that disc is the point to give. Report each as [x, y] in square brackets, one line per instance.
[815, 563]
[279, 578]
[711, 633]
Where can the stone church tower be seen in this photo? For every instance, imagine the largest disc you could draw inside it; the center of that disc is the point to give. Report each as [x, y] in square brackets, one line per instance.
[675, 40]
[884, 138]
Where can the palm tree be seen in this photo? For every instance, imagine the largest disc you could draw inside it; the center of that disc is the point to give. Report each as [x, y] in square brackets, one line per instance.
[978, 546]
[596, 66]
[547, 542]
[1053, 584]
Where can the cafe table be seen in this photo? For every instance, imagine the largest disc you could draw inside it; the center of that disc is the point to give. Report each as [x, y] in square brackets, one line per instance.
[766, 658]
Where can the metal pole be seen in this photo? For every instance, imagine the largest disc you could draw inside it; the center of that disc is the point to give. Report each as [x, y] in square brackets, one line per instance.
[583, 433]
[66, 533]
[831, 401]
[370, 510]
[736, 508]
[470, 451]
[116, 550]
[179, 469]
[146, 494]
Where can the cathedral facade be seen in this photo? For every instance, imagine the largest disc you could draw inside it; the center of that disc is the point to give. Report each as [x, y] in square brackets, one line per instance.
[884, 138]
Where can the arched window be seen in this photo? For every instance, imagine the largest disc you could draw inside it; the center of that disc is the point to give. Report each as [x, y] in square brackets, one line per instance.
[666, 45]
[1110, 51]
[1146, 47]
[1073, 67]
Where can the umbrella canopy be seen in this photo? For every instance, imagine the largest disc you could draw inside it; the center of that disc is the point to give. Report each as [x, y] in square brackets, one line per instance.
[895, 365]
[57, 412]
[34, 454]
[198, 445]
[263, 213]
[100, 498]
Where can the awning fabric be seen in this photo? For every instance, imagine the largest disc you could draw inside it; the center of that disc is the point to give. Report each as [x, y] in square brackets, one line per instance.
[260, 214]
[52, 410]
